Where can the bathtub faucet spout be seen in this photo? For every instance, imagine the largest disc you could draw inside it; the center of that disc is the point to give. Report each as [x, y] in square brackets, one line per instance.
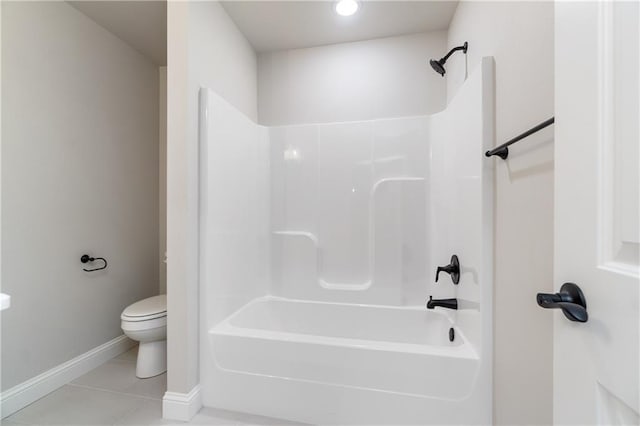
[443, 303]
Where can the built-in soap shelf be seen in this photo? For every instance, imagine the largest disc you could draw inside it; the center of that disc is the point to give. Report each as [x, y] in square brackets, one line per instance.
[385, 181]
[313, 238]
[5, 301]
[302, 234]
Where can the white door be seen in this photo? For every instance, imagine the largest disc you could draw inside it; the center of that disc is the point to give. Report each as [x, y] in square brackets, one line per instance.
[597, 364]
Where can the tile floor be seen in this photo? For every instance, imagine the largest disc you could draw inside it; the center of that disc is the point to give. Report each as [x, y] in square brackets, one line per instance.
[113, 395]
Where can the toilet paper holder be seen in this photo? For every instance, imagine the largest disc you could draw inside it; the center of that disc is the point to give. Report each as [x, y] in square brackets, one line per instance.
[86, 259]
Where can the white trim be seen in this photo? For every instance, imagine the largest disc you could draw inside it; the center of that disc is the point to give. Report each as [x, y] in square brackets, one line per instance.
[181, 406]
[35, 388]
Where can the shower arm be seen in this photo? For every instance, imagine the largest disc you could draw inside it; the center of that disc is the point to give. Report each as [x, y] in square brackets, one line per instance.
[452, 51]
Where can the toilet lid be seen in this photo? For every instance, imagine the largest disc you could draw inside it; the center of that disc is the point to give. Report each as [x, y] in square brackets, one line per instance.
[153, 307]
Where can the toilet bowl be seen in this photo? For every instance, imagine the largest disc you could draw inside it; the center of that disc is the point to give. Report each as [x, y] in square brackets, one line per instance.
[146, 322]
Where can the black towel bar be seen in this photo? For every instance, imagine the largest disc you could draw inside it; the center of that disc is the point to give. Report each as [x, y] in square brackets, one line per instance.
[502, 151]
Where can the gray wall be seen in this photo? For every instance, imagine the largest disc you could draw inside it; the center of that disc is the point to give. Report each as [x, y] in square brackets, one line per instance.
[79, 174]
[380, 78]
[520, 37]
[205, 49]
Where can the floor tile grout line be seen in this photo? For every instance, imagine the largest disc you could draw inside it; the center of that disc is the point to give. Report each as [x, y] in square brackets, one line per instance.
[124, 416]
[149, 398]
[2, 421]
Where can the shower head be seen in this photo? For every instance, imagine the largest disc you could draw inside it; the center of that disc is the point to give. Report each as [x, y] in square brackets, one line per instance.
[438, 66]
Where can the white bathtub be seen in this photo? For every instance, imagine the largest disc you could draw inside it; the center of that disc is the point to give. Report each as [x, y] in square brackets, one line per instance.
[379, 348]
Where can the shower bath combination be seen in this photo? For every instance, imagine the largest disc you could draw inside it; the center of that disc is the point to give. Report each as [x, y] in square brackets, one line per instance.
[321, 262]
[438, 65]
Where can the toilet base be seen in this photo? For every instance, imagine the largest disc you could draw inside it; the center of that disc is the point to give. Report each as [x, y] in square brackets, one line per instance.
[152, 359]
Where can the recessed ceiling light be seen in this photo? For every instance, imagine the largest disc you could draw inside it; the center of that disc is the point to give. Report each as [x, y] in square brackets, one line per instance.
[346, 7]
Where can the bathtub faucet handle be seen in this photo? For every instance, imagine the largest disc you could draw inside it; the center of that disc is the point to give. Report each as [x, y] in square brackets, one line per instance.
[452, 269]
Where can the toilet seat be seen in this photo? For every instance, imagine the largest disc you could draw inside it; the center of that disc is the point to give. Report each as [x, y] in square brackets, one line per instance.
[127, 318]
[138, 325]
[145, 310]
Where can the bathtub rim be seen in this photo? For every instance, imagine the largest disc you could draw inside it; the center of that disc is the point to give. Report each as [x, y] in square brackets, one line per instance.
[463, 350]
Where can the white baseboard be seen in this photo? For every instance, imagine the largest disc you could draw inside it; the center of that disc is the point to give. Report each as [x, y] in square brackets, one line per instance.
[33, 389]
[181, 406]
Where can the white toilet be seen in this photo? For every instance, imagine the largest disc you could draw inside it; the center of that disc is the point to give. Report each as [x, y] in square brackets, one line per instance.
[146, 322]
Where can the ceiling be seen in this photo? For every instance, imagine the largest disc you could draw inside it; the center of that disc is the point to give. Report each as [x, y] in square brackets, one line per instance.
[141, 24]
[278, 25]
[274, 25]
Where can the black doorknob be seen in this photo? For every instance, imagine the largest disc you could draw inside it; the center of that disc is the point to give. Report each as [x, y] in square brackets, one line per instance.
[570, 299]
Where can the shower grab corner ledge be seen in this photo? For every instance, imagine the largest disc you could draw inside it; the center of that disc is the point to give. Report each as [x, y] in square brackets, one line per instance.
[314, 238]
[383, 181]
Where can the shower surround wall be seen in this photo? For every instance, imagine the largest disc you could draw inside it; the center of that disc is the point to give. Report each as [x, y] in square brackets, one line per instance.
[234, 209]
[348, 211]
[330, 291]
